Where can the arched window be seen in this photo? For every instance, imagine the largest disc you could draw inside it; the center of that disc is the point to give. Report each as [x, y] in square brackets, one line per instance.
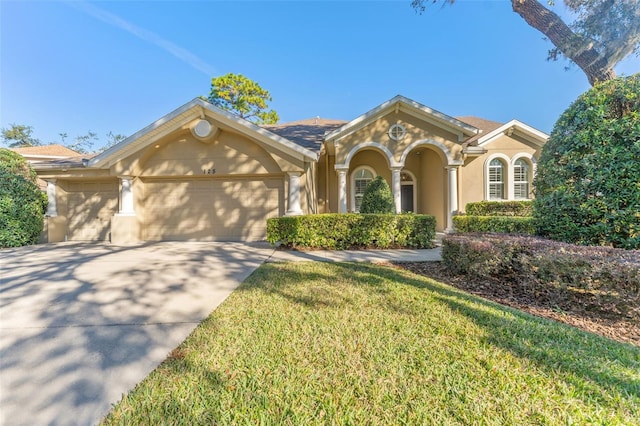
[521, 179]
[496, 180]
[360, 179]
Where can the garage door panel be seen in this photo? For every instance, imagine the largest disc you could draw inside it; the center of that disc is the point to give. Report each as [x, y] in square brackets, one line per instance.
[91, 205]
[214, 209]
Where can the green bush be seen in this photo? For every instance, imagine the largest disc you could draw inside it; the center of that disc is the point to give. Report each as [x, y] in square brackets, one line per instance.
[377, 197]
[587, 185]
[522, 208]
[502, 224]
[601, 278]
[21, 205]
[352, 230]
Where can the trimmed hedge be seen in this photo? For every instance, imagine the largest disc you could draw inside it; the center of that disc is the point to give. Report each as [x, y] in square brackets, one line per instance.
[500, 208]
[561, 271]
[503, 224]
[352, 230]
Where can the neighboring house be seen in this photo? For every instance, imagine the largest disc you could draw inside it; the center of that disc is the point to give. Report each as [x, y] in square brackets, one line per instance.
[45, 153]
[201, 173]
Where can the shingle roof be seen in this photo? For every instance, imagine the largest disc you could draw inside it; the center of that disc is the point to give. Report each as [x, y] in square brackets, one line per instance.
[54, 150]
[307, 133]
[485, 125]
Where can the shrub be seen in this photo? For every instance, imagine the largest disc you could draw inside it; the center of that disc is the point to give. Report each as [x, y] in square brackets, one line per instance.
[21, 216]
[345, 231]
[377, 197]
[601, 277]
[588, 178]
[522, 208]
[503, 224]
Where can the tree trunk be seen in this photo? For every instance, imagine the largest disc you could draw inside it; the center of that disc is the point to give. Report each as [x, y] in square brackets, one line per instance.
[581, 50]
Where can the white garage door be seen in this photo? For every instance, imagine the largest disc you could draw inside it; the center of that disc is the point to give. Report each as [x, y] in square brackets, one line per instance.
[210, 209]
[90, 206]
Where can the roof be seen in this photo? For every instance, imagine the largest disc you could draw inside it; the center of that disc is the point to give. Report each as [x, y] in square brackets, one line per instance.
[54, 150]
[486, 126]
[308, 133]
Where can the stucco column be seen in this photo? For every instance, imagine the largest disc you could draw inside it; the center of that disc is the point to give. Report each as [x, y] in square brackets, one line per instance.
[294, 194]
[452, 201]
[126, 196]
[52, 205]
[342, 190]
[395, 188]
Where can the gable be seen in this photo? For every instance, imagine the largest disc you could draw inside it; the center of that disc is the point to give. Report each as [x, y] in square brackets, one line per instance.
[204, 122]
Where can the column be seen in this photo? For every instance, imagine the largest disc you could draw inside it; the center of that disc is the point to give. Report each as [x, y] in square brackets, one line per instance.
[395, 188]
[52, 205]
[294, 194]
[342, 190]
[126, 196]
[452, 201]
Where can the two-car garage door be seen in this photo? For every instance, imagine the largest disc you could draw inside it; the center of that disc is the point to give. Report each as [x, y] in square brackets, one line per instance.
[209, 209]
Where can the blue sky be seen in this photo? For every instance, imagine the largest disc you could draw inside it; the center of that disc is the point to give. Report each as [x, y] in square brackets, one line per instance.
[120, 65]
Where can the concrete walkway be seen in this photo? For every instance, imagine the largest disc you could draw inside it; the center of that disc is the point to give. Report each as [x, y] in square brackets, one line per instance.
[82, 324]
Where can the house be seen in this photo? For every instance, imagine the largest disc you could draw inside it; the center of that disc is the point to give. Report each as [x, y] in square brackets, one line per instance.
[201, 173]
[44, 153]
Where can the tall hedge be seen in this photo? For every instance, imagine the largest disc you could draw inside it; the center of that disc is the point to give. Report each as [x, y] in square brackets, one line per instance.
[377, 197]
[21, 215]
[588, 178]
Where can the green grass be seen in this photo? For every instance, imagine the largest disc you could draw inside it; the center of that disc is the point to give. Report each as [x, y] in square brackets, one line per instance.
[321, 343]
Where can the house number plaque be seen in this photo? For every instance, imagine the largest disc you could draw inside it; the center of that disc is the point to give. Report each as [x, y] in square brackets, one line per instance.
[208, 171]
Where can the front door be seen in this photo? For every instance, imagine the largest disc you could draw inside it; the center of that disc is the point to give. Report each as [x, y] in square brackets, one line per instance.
[406, 198]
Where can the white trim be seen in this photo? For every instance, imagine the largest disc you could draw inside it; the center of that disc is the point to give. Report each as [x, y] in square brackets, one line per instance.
[534, 135]
[293, 199]
[342, 189]
[452, 196]
[400, 103]
[52, 204]
[190, 111]
[443, 148]
[509, 183]
[506, 178]
[359, 147]
[532, 164]
[352, 185]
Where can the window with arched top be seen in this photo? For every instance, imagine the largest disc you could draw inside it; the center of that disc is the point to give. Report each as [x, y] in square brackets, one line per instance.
[521, 179]
[359, 181]
[497, 180]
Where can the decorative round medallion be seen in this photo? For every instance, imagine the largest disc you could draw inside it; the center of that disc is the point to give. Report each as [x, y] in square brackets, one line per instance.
[397, 132]
[202, 129]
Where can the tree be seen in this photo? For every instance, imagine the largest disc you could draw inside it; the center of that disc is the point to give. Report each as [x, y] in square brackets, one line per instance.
[587, 184]
[83, 143]
[603, 33]
[377, 197]
[19, 136]
[113, 139]
[242, 96]
[21, 215]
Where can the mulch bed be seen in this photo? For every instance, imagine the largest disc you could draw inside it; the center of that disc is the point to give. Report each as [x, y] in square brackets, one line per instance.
[602, 320]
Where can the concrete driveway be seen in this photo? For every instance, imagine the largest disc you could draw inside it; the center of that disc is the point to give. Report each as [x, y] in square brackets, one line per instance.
[81, 324]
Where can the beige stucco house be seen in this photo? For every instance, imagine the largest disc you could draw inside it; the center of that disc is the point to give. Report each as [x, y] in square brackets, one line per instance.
[201, 173]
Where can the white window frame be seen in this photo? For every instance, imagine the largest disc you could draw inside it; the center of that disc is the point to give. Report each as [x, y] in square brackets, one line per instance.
[509, 166]
[352, 185]
[504, 160]
[526, 181]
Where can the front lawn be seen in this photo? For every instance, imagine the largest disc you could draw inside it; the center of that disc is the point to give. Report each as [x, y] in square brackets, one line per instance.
[322, 343]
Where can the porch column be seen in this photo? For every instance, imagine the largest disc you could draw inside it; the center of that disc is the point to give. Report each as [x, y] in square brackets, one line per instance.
[452, 202]
[126, 196]
[293, 202]
[395, 188]
[342, 190]
[52, 205]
